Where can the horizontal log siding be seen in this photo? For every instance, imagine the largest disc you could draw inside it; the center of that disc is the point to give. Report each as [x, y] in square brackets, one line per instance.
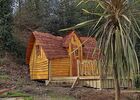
[38, 66]
[60, 67]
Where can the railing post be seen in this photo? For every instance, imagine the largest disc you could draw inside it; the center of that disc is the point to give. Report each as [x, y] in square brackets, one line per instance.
[49, 73]
[78, 68]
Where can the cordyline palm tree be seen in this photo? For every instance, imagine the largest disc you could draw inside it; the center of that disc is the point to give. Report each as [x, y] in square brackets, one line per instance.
[116, 27]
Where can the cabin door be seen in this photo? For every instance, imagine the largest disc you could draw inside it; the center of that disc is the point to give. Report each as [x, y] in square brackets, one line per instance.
[74, 66]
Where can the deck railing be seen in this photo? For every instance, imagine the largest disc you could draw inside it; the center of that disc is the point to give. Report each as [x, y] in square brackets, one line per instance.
[88, 68]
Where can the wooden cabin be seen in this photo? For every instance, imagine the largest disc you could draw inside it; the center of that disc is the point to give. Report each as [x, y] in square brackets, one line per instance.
[66, 58]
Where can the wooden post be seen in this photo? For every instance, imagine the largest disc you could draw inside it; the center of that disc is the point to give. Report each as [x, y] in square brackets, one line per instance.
[49, 73]
[70, 59]
[100, 73]
[34, 60]
[78, 75]
[78, 68]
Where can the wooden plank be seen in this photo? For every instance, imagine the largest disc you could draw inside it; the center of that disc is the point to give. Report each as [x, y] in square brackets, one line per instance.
[42, 60]
[89, 77]
[47, 82]
[65, 61]
[60, 75]
[44, 63]
[78, 68]
[33, 57]
[60, 68]
[39, 69]
[39, 74]
[80, 77]
[75, 82]
[50, 72]
[70, 50]
[38, 64]
[39, 77]
[63, 78]
[60, 71]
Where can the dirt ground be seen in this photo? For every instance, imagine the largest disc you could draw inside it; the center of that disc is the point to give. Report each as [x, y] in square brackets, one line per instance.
[12, 74]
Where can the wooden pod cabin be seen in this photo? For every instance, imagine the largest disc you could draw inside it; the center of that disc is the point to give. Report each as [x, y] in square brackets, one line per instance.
[66, 58]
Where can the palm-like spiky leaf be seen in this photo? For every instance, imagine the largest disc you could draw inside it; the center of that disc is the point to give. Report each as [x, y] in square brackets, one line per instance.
[117, 18]
[116, 30]
[116, 37]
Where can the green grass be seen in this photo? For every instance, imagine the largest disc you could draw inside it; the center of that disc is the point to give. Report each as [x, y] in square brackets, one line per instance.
[51, 96]
[28, 98]
[4, 77]
[16, 94]
[137, 88]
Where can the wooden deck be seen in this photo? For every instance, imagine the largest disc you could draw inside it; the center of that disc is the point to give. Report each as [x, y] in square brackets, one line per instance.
[89, 81]
[88, 75]
[73, 78]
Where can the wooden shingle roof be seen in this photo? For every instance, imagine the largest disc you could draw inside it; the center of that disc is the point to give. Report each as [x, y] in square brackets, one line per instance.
[55, 46]
[90, 50]
[67, 39]
[52, 45]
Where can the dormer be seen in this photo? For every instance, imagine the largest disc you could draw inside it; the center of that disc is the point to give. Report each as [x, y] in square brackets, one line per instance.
[73, 45]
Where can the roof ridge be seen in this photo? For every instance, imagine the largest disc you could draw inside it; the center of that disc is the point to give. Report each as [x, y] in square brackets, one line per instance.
[48, 35]
[42, 33]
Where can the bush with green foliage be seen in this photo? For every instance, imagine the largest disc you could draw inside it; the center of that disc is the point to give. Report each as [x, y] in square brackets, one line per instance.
[8, 43]
[5, 24]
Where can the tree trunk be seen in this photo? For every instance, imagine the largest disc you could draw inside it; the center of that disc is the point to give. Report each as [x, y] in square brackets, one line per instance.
[116, 80]
[116, 83]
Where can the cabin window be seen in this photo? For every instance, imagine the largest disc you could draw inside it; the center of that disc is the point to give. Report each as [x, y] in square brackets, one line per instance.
[38, 51]
[76, 52]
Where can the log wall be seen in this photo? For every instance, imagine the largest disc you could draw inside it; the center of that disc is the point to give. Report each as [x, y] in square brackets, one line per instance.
[38, 65]
[60, 67]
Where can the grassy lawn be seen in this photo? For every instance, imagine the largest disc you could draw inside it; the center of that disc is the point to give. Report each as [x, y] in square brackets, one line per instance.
[15, 94]
[4, 77]
[50, 96]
